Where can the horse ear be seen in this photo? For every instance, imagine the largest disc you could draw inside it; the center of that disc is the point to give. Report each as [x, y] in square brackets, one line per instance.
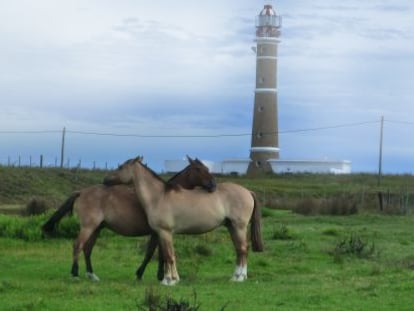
[198, 161]
[139, 158]
[190, 160]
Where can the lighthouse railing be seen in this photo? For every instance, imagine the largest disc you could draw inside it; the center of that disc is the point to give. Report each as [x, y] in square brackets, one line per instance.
[269, 20]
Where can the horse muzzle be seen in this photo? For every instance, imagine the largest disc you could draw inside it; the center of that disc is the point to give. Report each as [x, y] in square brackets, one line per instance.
[110, 181]
[211, 186]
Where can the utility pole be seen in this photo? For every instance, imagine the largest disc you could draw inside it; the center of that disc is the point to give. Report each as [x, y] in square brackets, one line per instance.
[380, 151]
[62, 150]
[380, 196]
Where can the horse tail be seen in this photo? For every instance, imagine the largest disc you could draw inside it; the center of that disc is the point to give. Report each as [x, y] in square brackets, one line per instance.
[256, 226]
[65, 208]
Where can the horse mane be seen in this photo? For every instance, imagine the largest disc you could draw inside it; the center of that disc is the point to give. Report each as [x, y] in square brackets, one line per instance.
[170, 184]
[167, 185]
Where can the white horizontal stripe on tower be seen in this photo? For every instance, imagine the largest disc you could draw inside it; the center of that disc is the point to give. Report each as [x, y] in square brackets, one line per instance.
[267, 57]
[264, 149]
[267, 40]
[265, 90]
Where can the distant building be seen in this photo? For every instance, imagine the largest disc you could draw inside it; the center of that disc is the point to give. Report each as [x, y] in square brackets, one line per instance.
[310, 166]
[240, 166]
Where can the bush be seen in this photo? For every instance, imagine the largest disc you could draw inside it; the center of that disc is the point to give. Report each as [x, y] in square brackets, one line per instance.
[154, 302]
[338, 205]
[282, 233]
[17, 227]
[353, 246]
[29, 228]
[308, 206]
[35, 206]
[68, 228]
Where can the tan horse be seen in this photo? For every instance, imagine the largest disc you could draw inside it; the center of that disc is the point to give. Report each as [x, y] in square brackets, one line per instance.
[118, 209]
[193, 212]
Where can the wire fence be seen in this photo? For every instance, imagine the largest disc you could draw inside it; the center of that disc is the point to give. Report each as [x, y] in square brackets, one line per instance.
[52, 162]
[42, 160]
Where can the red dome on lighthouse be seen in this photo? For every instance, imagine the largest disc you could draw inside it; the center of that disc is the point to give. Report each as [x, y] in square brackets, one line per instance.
[268, 23]
[268, 10]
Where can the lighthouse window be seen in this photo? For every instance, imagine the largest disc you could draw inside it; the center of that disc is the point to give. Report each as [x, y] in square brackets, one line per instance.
[259, 135]
[258, 163]
[261, 108]
[261, 80]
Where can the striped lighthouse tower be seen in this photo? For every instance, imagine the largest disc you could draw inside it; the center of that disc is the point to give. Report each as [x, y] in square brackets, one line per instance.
[265, 141]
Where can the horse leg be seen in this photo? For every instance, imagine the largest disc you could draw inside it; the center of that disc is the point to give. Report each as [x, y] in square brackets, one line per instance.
[167, 247]
[87, 251]
[151, 247]
[160, 270]
[82, 238]
[239, 238]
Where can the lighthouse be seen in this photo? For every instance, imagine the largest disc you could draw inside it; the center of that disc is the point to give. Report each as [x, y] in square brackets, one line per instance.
[265, 140]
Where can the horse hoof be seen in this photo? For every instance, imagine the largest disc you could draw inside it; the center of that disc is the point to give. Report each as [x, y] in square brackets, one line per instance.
[76, 278]
[239, 278]
[92, 276]
[169, 282]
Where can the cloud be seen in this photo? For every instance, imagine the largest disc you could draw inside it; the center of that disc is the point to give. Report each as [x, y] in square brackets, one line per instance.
[140, 68]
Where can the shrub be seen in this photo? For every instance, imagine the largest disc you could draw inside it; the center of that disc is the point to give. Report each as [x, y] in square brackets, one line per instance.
[154, 302]
[29, 228]
[16, 227]
[354, 245]
[339, 205]
[308, 206]
[35, 206]
[68, 228]
[278, 202]
[282, 233]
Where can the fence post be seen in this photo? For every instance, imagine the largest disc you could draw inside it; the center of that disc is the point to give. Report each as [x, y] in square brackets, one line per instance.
[41, 161]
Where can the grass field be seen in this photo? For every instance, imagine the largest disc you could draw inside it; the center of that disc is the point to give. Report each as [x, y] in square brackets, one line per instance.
[358, 262]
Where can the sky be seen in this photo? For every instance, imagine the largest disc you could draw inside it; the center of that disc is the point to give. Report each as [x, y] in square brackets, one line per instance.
[133, 77]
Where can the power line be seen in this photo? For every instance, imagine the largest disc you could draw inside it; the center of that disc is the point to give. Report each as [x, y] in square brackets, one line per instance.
[156, 136]
[399, 122]
[224, 135]
[30, 131]
[314, 129]
[328, 127]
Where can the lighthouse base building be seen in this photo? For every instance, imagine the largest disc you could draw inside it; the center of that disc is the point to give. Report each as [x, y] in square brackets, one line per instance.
[278, 166]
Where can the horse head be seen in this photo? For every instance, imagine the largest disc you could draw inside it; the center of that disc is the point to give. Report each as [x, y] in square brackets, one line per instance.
[197, 174]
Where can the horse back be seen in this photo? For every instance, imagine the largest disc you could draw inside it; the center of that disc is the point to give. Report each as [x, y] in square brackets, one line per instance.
[116, 206]
[198, 211]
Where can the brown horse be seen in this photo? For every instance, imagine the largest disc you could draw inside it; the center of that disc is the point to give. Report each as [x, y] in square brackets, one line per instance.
[118, 209]
[193, 212]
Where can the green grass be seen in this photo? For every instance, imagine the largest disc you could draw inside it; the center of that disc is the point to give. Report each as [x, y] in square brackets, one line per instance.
[19, 185]
[309, 262]
[295, 273]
